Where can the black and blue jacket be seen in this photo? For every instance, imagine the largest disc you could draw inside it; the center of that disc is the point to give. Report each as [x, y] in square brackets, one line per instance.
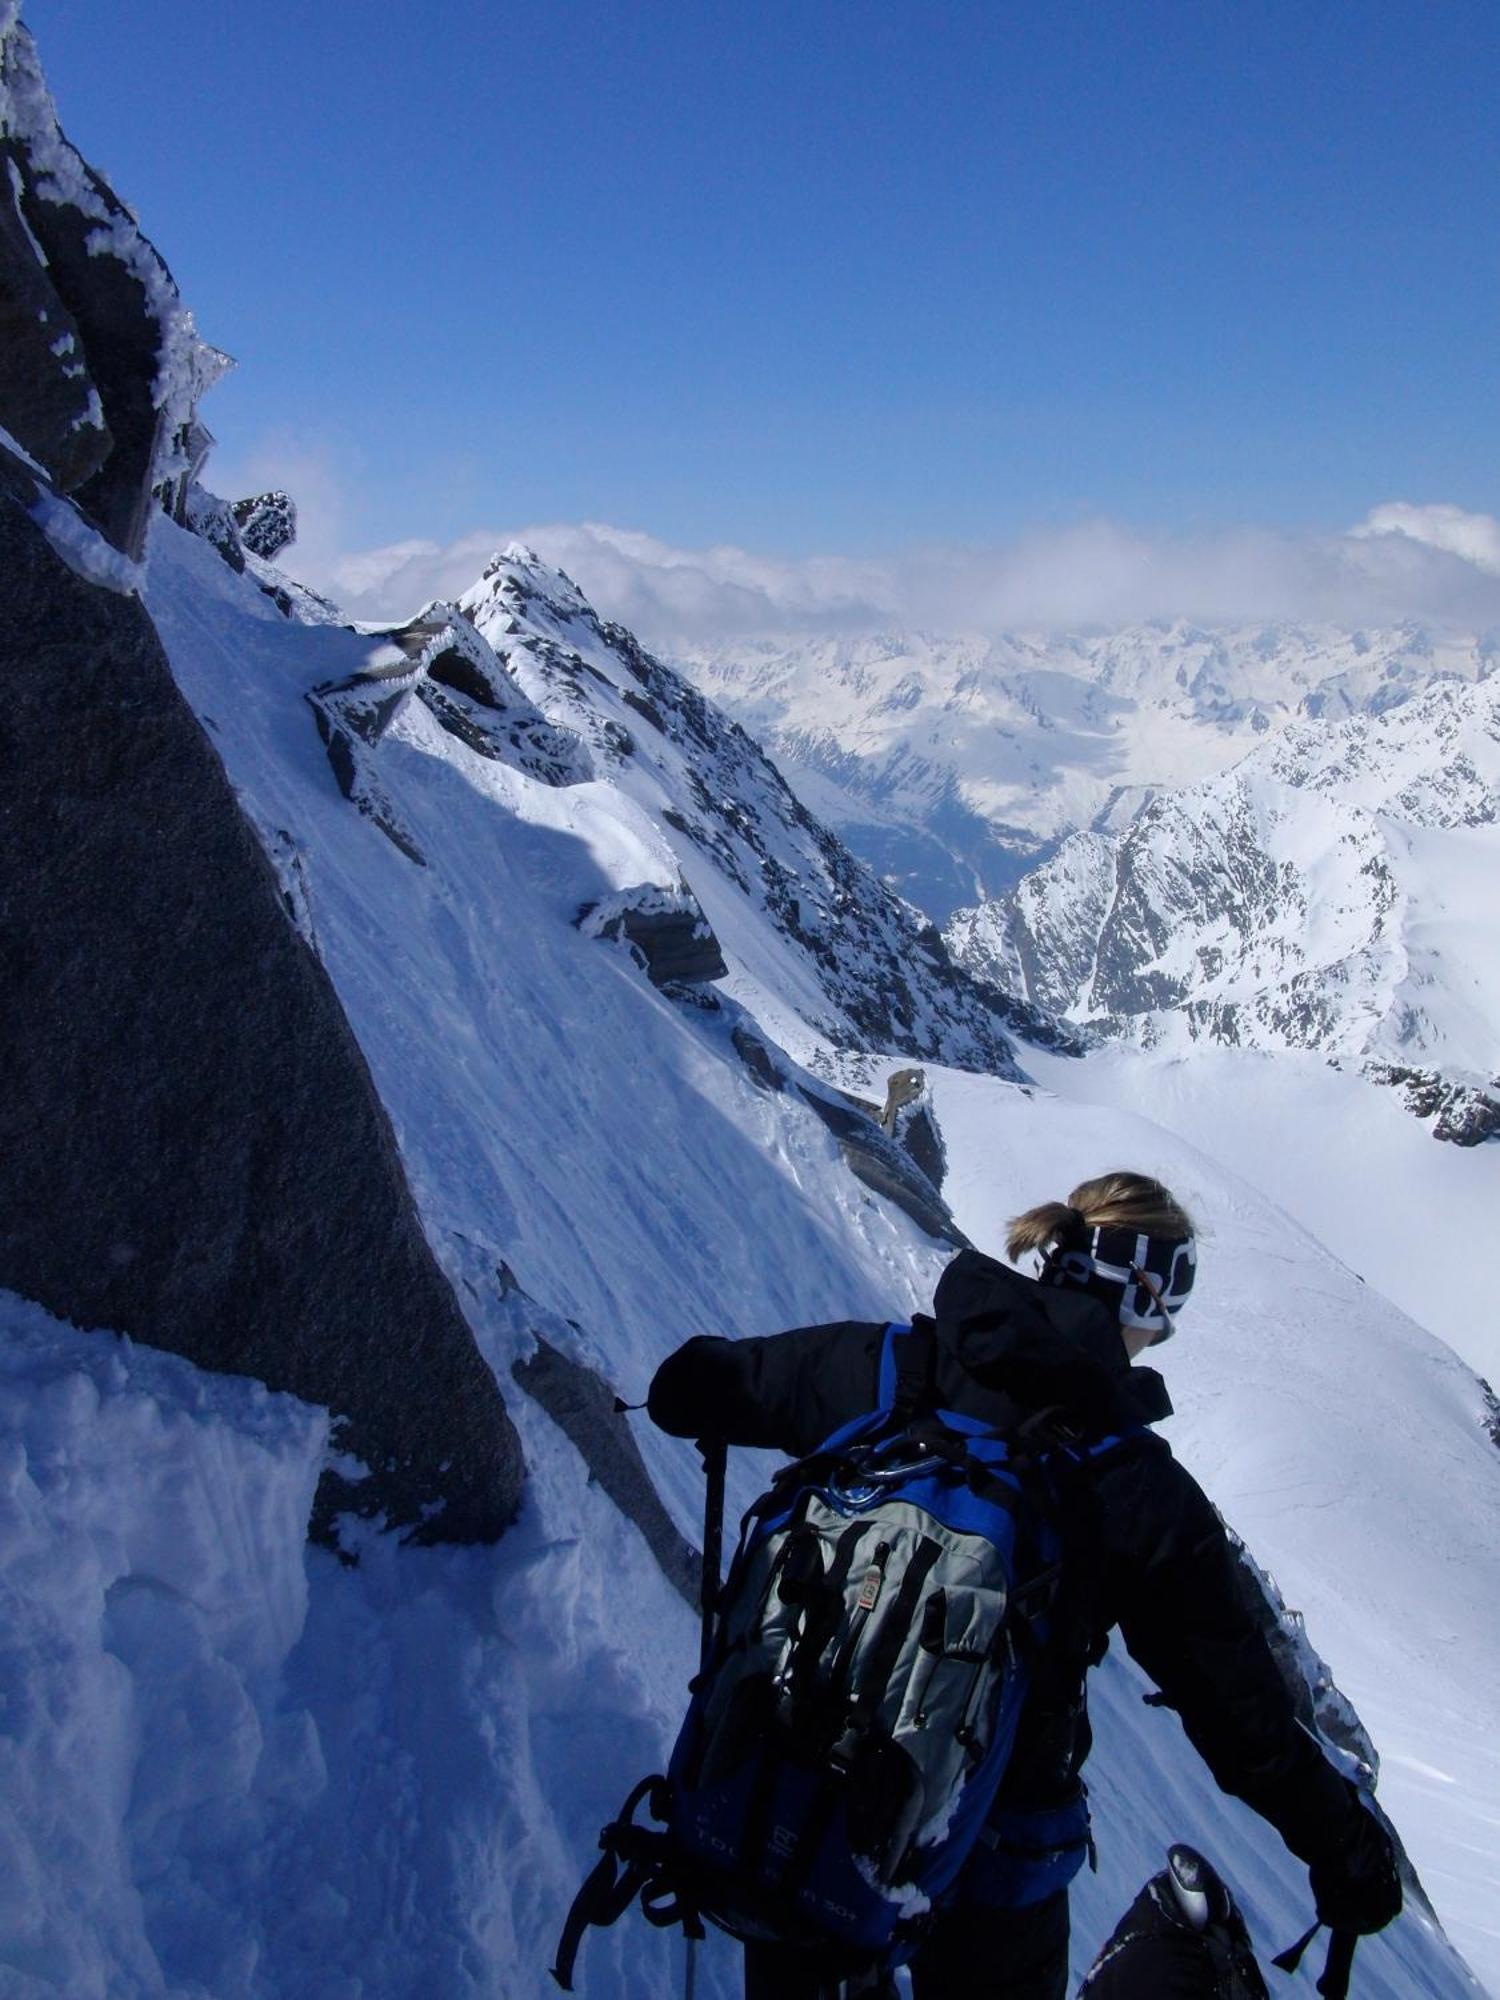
[1145, 1549]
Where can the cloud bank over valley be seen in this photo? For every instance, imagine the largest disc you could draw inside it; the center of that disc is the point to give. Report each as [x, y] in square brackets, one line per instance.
[1430, 565]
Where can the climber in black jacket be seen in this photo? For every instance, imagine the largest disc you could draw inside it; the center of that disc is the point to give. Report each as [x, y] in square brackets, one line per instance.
[1144, 1550]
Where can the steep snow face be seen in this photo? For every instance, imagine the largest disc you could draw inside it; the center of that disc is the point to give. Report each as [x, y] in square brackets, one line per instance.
[1335, 891]
[814, 941]
[951, 764]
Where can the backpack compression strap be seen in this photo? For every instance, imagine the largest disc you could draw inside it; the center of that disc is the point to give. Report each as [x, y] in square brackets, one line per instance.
[1337, 1967]
[632, 1864]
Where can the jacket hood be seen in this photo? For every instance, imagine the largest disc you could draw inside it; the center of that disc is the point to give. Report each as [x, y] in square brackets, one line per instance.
[1043, 1344]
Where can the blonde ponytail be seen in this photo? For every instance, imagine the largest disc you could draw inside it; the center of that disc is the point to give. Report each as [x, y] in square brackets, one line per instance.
[1110, 1201]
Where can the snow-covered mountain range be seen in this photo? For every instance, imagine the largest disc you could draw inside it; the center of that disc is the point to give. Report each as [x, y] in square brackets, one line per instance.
[1273, 838]
[421, 1031]
[955, 763]
[1335, 890]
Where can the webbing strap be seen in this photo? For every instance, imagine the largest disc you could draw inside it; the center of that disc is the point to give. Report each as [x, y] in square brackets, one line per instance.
[632, 1864]
[1338, 1966]
[1291, 1958]
[876, 1668]
[1336, 1973]
[912, 1349]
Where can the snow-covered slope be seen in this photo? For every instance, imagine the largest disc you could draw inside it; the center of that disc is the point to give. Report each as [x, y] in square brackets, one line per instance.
[1344, 1444]
[849, 958]
[1334, 891]
[953, 763]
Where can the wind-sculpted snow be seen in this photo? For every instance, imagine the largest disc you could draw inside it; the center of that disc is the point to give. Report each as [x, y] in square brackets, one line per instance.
[1335, 891]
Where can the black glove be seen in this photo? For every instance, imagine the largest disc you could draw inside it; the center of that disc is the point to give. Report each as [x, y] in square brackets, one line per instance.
[1356, 1888]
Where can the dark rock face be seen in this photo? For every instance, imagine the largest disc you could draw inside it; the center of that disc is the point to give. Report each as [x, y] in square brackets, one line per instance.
[582, 1405]
[267, 523]
[115, 334]
[50, 406]
[677, 946]
[193, 1151]
[212, 518]
[1460, 1113]
[909, 1119]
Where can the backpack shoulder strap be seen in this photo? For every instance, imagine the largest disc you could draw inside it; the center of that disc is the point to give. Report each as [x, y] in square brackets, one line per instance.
[907, 1357]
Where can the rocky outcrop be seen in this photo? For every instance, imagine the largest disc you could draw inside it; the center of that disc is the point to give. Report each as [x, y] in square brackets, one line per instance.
[193, 1150]
[667, 930]
[1460, 1113]
[587, 1412]
[102, 366]
[910, 1119]
[878, 1160]
[885, 978]
[267, 523]
[1331, 893]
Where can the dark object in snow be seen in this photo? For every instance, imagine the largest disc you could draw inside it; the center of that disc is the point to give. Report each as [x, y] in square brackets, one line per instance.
[1182, 1938]
[871, 1155]
[672, 937]
[267, 523]
[582, 1405]
[193, 1151]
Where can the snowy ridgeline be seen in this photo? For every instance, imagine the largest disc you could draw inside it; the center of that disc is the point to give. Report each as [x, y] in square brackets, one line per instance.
[1279, 837]
[1334, 891]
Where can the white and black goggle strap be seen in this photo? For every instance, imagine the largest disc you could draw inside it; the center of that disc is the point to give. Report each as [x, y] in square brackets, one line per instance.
[1147, 1278]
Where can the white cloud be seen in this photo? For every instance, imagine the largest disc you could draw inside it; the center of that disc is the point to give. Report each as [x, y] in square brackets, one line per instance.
[1428, 564]
[1474, 537]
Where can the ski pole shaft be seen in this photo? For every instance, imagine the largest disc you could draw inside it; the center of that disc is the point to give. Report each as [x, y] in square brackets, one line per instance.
[715, 1458]
[715, 1455]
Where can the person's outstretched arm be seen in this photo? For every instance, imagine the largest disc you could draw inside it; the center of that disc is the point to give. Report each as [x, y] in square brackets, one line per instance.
[787, 1391]
[1185, 1617]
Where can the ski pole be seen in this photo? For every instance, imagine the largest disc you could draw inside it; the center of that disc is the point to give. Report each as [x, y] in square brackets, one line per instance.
[715, 1455]
[715, 1459]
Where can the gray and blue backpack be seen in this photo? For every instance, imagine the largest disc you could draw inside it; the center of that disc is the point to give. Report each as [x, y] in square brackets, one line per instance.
[839, 1761]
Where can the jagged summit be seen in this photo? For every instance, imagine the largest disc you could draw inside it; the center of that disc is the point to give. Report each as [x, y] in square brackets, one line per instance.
[1333, 891]
[850, 960]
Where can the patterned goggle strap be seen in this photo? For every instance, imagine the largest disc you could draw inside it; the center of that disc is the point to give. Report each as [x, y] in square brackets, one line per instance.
[1146, 1279]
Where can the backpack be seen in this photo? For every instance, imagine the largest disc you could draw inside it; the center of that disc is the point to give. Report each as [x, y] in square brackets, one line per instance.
[845, 1741]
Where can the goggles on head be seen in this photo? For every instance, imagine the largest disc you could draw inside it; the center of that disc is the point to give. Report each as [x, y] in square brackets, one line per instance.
[1144, 1279]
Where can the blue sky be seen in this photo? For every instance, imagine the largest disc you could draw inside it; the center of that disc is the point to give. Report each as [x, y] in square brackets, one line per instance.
[831, 277]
